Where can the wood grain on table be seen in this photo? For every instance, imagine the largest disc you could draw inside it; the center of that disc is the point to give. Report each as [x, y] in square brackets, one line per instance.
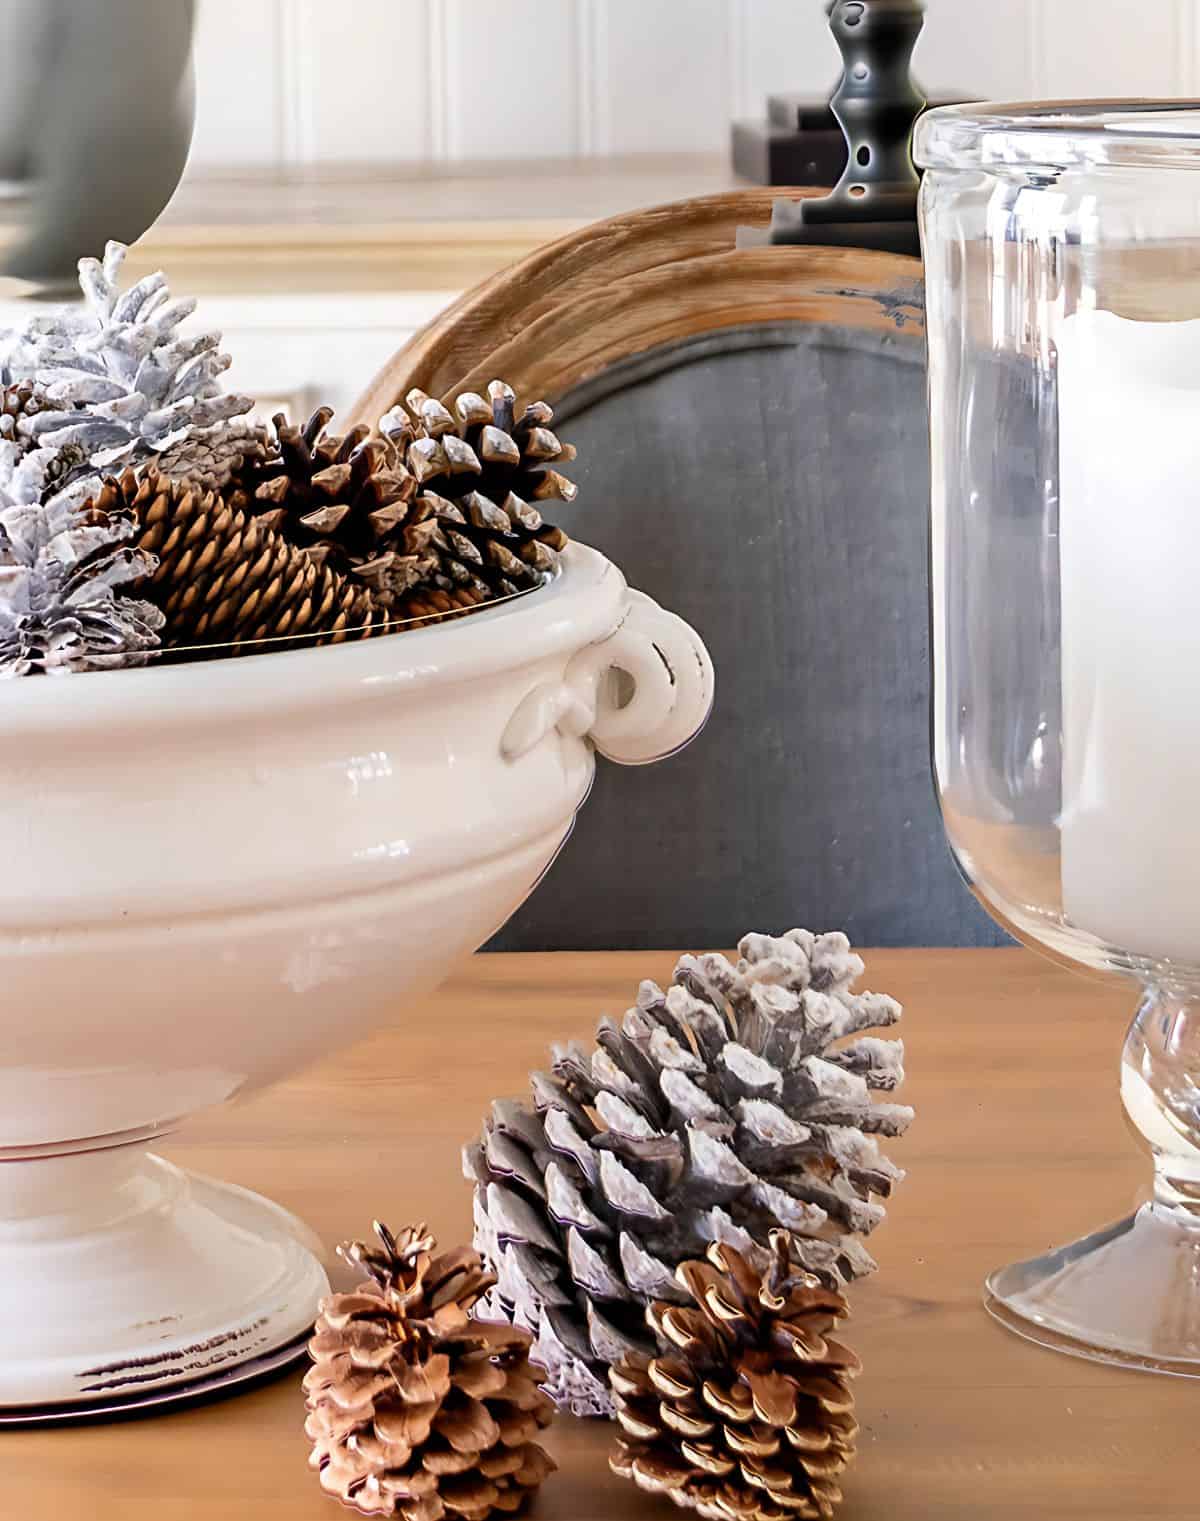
[1018, 1146]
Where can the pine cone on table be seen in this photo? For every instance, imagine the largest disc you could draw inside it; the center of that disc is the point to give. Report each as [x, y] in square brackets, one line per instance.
[225, 578]
[415, 1409]
[747, 1412]
[734, 1104]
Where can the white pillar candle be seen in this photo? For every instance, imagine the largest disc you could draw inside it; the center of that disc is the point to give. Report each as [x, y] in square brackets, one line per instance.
[1129, 482]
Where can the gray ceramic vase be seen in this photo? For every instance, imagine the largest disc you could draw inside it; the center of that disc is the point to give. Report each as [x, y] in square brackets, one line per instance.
[97, 104]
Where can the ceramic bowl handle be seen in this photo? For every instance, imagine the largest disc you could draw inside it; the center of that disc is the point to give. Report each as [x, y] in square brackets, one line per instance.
[639, 695]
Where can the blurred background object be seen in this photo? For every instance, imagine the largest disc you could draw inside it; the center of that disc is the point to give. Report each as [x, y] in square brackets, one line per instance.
[355, 167]
[876, 103]
[96, 111]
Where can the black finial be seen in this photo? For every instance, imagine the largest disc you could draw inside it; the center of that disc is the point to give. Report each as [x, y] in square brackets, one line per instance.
[874, 205]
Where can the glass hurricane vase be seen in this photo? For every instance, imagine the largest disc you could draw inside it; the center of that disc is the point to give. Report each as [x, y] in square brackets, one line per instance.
[1062, 247]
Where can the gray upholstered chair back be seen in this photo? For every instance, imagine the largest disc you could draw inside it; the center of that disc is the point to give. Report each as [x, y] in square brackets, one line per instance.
[770, 485]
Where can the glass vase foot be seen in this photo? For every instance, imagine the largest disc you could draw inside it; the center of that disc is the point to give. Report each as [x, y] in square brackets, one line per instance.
[1128, 1295]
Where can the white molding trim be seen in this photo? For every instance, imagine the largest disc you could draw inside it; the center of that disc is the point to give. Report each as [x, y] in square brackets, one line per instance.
[1036, 48]
[439, 114]
[738, 25]
[594, 14]
[298, 80]
[301, 312]
[331, 312]
[1187, 41]
[583, 85]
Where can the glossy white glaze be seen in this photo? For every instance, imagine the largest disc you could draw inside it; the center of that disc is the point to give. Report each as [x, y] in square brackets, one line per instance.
[216, 873]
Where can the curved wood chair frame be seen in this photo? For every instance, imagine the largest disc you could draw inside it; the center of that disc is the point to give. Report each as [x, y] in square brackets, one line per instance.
[622, 287]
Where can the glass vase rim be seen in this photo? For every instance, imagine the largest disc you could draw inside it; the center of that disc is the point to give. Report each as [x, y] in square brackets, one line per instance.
[1061, 135]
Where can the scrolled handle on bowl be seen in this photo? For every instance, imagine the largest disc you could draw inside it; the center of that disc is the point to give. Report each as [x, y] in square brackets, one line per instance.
[639, 695]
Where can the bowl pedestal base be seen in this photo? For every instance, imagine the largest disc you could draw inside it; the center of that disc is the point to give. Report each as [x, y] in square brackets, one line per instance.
[123, 1277]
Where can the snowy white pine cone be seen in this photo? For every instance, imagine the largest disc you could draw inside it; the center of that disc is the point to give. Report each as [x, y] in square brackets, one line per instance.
[62, 602]
[738, 1102]
[124, 385]
[64, 576]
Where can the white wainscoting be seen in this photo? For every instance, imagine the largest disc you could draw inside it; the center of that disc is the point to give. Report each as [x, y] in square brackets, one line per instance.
[294, 353]
[296, 83]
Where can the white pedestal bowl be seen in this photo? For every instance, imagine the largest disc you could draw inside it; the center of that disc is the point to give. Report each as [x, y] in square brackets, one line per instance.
[217, 873]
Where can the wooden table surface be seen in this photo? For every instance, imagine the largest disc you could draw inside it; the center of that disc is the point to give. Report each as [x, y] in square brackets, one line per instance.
[1018, 1145]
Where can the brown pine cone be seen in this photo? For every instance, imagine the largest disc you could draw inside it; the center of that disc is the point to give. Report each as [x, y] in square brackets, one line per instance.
[513, 450]
[422, 509]
[748, 1414]
[213, 457]
[347, 500]
[479, 473]
[415, 1409]
[225, 578]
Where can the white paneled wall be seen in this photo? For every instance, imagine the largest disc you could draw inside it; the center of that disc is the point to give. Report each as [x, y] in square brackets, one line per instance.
[507, 78]
[296, 83]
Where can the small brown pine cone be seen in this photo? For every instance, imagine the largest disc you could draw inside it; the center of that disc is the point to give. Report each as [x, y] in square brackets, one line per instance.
[225, 578]
[348, 500]
[414, 1409]
[479, 471]
[748, 1414]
